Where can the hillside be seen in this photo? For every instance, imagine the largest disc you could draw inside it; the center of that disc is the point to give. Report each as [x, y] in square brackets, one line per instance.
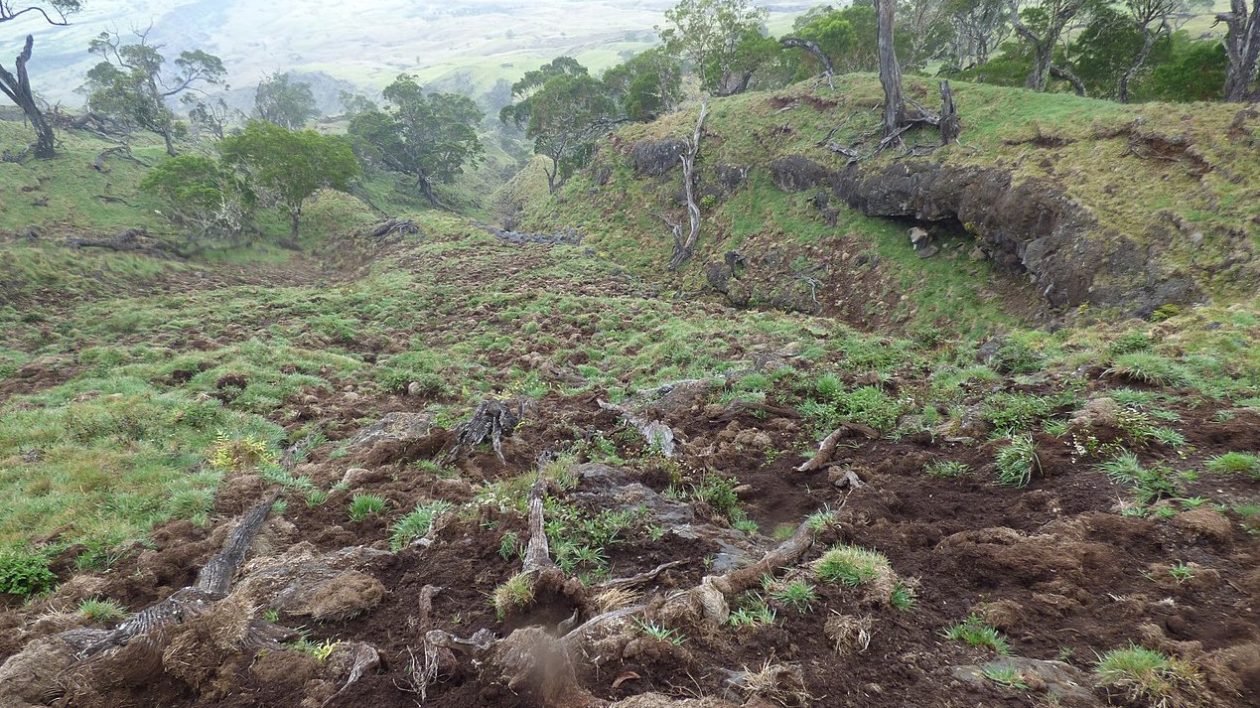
[454, 465]
[1095, 203]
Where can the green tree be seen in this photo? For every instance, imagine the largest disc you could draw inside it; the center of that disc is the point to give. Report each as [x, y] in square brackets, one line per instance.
[1194, 71]
[647, 85]
[564, 111]
[132, 84]
[286, 167]
[430, 137]
[200, 196]
[211, 115]
[719, 37]
[287, 103]
[16, 85]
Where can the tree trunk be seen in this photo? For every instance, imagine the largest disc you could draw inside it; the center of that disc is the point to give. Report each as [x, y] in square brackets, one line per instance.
[1148, 42]
[1062, 72]
[18, 89]
[1242, 47]
[426, 187]
[889, 71]
[295, 221]
[1043, 55]
[949, 125]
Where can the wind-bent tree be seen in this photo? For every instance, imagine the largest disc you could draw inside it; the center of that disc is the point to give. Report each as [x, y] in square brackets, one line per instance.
[131, 84]
[564, 110]
[429, 137]
[211, 115]
[1242, 47]
[723, 39]
[925, 28]
[646, 86]
[285, 167]
[1041, 25]
[200, 196]
[287, 103]
[16, 85]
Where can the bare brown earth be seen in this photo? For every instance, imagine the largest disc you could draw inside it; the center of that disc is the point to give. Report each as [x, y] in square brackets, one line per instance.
[1054, 566]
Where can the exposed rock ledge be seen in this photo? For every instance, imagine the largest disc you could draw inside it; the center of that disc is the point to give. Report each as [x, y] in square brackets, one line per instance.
[1031, 226]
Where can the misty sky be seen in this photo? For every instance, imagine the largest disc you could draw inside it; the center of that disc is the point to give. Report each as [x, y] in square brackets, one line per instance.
[366, 42]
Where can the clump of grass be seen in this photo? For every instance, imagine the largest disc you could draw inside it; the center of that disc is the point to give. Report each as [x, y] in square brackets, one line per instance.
[1007, 676]
[851, 566]
[1145, 368]
[752, 611]
[24, 572]
[320, 651]
[1241, 463]
[1014, 412]
[514, 594]
[797, 595]
[1149, 484]
[509, 545]
[946, 469]
[1181, 572]
[243, 453]
[98, 610]
[365, 505]
[417, 523]
[1147, 676]
[1017, 461]
[902, 597]
[661, 633]
[975, 633]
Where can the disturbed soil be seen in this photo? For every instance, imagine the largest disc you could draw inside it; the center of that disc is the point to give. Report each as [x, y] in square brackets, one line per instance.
[1057, 566]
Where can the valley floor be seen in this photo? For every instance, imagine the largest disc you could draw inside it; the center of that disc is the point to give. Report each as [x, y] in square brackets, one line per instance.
[988, 525]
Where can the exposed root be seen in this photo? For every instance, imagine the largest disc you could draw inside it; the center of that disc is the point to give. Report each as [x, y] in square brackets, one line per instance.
[827, 448]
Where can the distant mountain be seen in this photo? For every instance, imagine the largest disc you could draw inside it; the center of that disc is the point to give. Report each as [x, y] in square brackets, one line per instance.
[468, 44]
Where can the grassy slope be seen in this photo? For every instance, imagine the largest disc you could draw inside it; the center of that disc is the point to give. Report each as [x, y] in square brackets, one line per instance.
[1142, 199]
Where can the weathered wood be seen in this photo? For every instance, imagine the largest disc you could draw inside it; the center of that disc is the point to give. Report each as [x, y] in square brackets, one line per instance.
[683, 250]
[949, 123]
[890, 72]
[1242, 47]
[18, 89]
[492, 420]
[537, 552]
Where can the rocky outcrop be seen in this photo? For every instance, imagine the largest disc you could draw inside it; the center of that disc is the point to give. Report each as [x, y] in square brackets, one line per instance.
[1030, 226]
[654, 158]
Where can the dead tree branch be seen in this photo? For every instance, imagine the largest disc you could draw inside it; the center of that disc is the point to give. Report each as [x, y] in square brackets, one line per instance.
[683, 250]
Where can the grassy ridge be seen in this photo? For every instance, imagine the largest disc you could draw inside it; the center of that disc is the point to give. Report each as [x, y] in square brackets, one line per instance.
[1178, 180]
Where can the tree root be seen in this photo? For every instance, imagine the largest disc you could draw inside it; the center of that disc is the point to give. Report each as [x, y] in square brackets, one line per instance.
[827, 449]
[657, 434]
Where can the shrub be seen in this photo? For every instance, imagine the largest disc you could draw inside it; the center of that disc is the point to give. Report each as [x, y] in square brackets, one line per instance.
[24, 572]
